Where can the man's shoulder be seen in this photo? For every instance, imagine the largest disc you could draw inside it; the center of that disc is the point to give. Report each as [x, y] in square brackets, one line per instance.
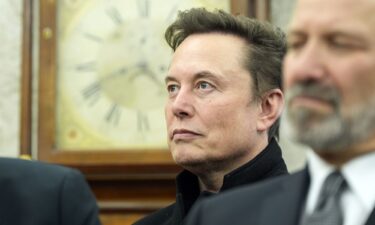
[244, 203]
[34, 192]
[31, 165]
[161, 217]
[33, 171]
[256, 190]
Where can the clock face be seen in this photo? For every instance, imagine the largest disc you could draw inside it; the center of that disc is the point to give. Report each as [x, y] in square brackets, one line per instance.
[112, 60]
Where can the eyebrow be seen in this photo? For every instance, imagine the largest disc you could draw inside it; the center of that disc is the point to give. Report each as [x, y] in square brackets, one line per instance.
[201, 74]
[296, 33]
[206, 74]
[333, 33]
[169, 78]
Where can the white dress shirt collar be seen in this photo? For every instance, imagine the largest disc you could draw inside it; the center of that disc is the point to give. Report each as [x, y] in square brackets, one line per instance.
[359, 174]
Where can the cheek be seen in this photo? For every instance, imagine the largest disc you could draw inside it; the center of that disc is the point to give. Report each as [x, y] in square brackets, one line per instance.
[229, 120]
[216, 118]
[233, 130]
[356, 81]
[168, 114]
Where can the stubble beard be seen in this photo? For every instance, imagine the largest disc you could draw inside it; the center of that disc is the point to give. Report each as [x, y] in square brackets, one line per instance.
[333, 133]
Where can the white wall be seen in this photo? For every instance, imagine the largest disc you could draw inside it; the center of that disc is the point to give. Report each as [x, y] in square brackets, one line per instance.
[10, 60]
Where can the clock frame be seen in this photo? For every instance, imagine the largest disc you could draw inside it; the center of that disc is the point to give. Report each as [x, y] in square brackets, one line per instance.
[153, 163]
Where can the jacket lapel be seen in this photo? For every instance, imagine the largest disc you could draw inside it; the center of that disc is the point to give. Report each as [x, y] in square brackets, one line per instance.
[371, 219]
[284, 206]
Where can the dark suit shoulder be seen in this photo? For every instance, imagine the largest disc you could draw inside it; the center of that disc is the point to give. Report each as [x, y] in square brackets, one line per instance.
[239, 206]
[10, 167]
[253, 191]
[160, 217]
[44, 194]
[29, 173]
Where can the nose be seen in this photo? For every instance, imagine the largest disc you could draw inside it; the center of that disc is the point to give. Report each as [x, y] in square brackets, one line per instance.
[182, 105]
[305, 65]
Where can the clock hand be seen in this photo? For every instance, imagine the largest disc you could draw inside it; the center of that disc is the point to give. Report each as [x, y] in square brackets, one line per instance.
[153, 77]
[119, 72]
[149, 73]
[122, 71]
[141, 69]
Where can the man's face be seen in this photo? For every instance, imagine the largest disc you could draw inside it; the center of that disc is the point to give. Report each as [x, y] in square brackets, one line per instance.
[330, 73]
[211, 115]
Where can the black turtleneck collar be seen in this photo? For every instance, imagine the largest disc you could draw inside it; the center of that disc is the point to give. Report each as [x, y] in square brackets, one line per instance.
[268, 163]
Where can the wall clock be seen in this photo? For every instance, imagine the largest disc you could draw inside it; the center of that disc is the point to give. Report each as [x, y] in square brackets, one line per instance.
[111, 63]
[102, 67]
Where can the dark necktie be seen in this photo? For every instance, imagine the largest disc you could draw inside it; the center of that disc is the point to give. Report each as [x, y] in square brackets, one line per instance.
[328, 210]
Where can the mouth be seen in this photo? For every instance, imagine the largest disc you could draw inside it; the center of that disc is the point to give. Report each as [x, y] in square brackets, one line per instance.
[183, 134]
[313, 96]
[312, 102]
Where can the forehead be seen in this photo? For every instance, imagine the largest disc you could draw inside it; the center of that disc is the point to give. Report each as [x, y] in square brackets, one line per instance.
[219, 53]
[337, 15]
[211, 47]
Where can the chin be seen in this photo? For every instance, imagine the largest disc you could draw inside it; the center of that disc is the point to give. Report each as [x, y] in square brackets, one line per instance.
[187, 155]
[182, 160]
[187, 161]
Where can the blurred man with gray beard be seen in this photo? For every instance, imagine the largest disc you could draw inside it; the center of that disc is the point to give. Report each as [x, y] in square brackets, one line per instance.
[329, 81]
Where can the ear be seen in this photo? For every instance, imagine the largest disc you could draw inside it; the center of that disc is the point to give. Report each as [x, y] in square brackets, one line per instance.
[271, 108]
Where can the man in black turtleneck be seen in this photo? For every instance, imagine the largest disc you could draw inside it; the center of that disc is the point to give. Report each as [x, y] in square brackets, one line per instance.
[223, 107]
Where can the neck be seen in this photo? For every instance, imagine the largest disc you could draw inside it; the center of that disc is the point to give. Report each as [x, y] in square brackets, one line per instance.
[211, 175]
[211, 182]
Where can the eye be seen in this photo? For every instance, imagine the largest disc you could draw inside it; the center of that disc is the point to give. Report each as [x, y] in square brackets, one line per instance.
[204, 85]
[341, 45]
[172, 88]
[345, 43]
[294, 45]
[296, 41]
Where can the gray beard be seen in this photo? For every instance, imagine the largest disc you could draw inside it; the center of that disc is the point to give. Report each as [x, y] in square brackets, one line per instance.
[331, 133]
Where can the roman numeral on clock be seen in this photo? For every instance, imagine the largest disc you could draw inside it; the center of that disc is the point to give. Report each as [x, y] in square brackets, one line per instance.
[143, 7]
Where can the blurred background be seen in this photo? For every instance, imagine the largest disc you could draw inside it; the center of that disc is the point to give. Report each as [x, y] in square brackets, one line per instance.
[65, 98]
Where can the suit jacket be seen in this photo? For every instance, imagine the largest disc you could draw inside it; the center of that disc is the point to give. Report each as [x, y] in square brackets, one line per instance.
[269, 163]
[34, 193]
[279, 201]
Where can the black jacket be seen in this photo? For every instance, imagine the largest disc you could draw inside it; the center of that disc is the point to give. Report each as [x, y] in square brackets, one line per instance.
[269, 163]
[34, 193]
[278, 201]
